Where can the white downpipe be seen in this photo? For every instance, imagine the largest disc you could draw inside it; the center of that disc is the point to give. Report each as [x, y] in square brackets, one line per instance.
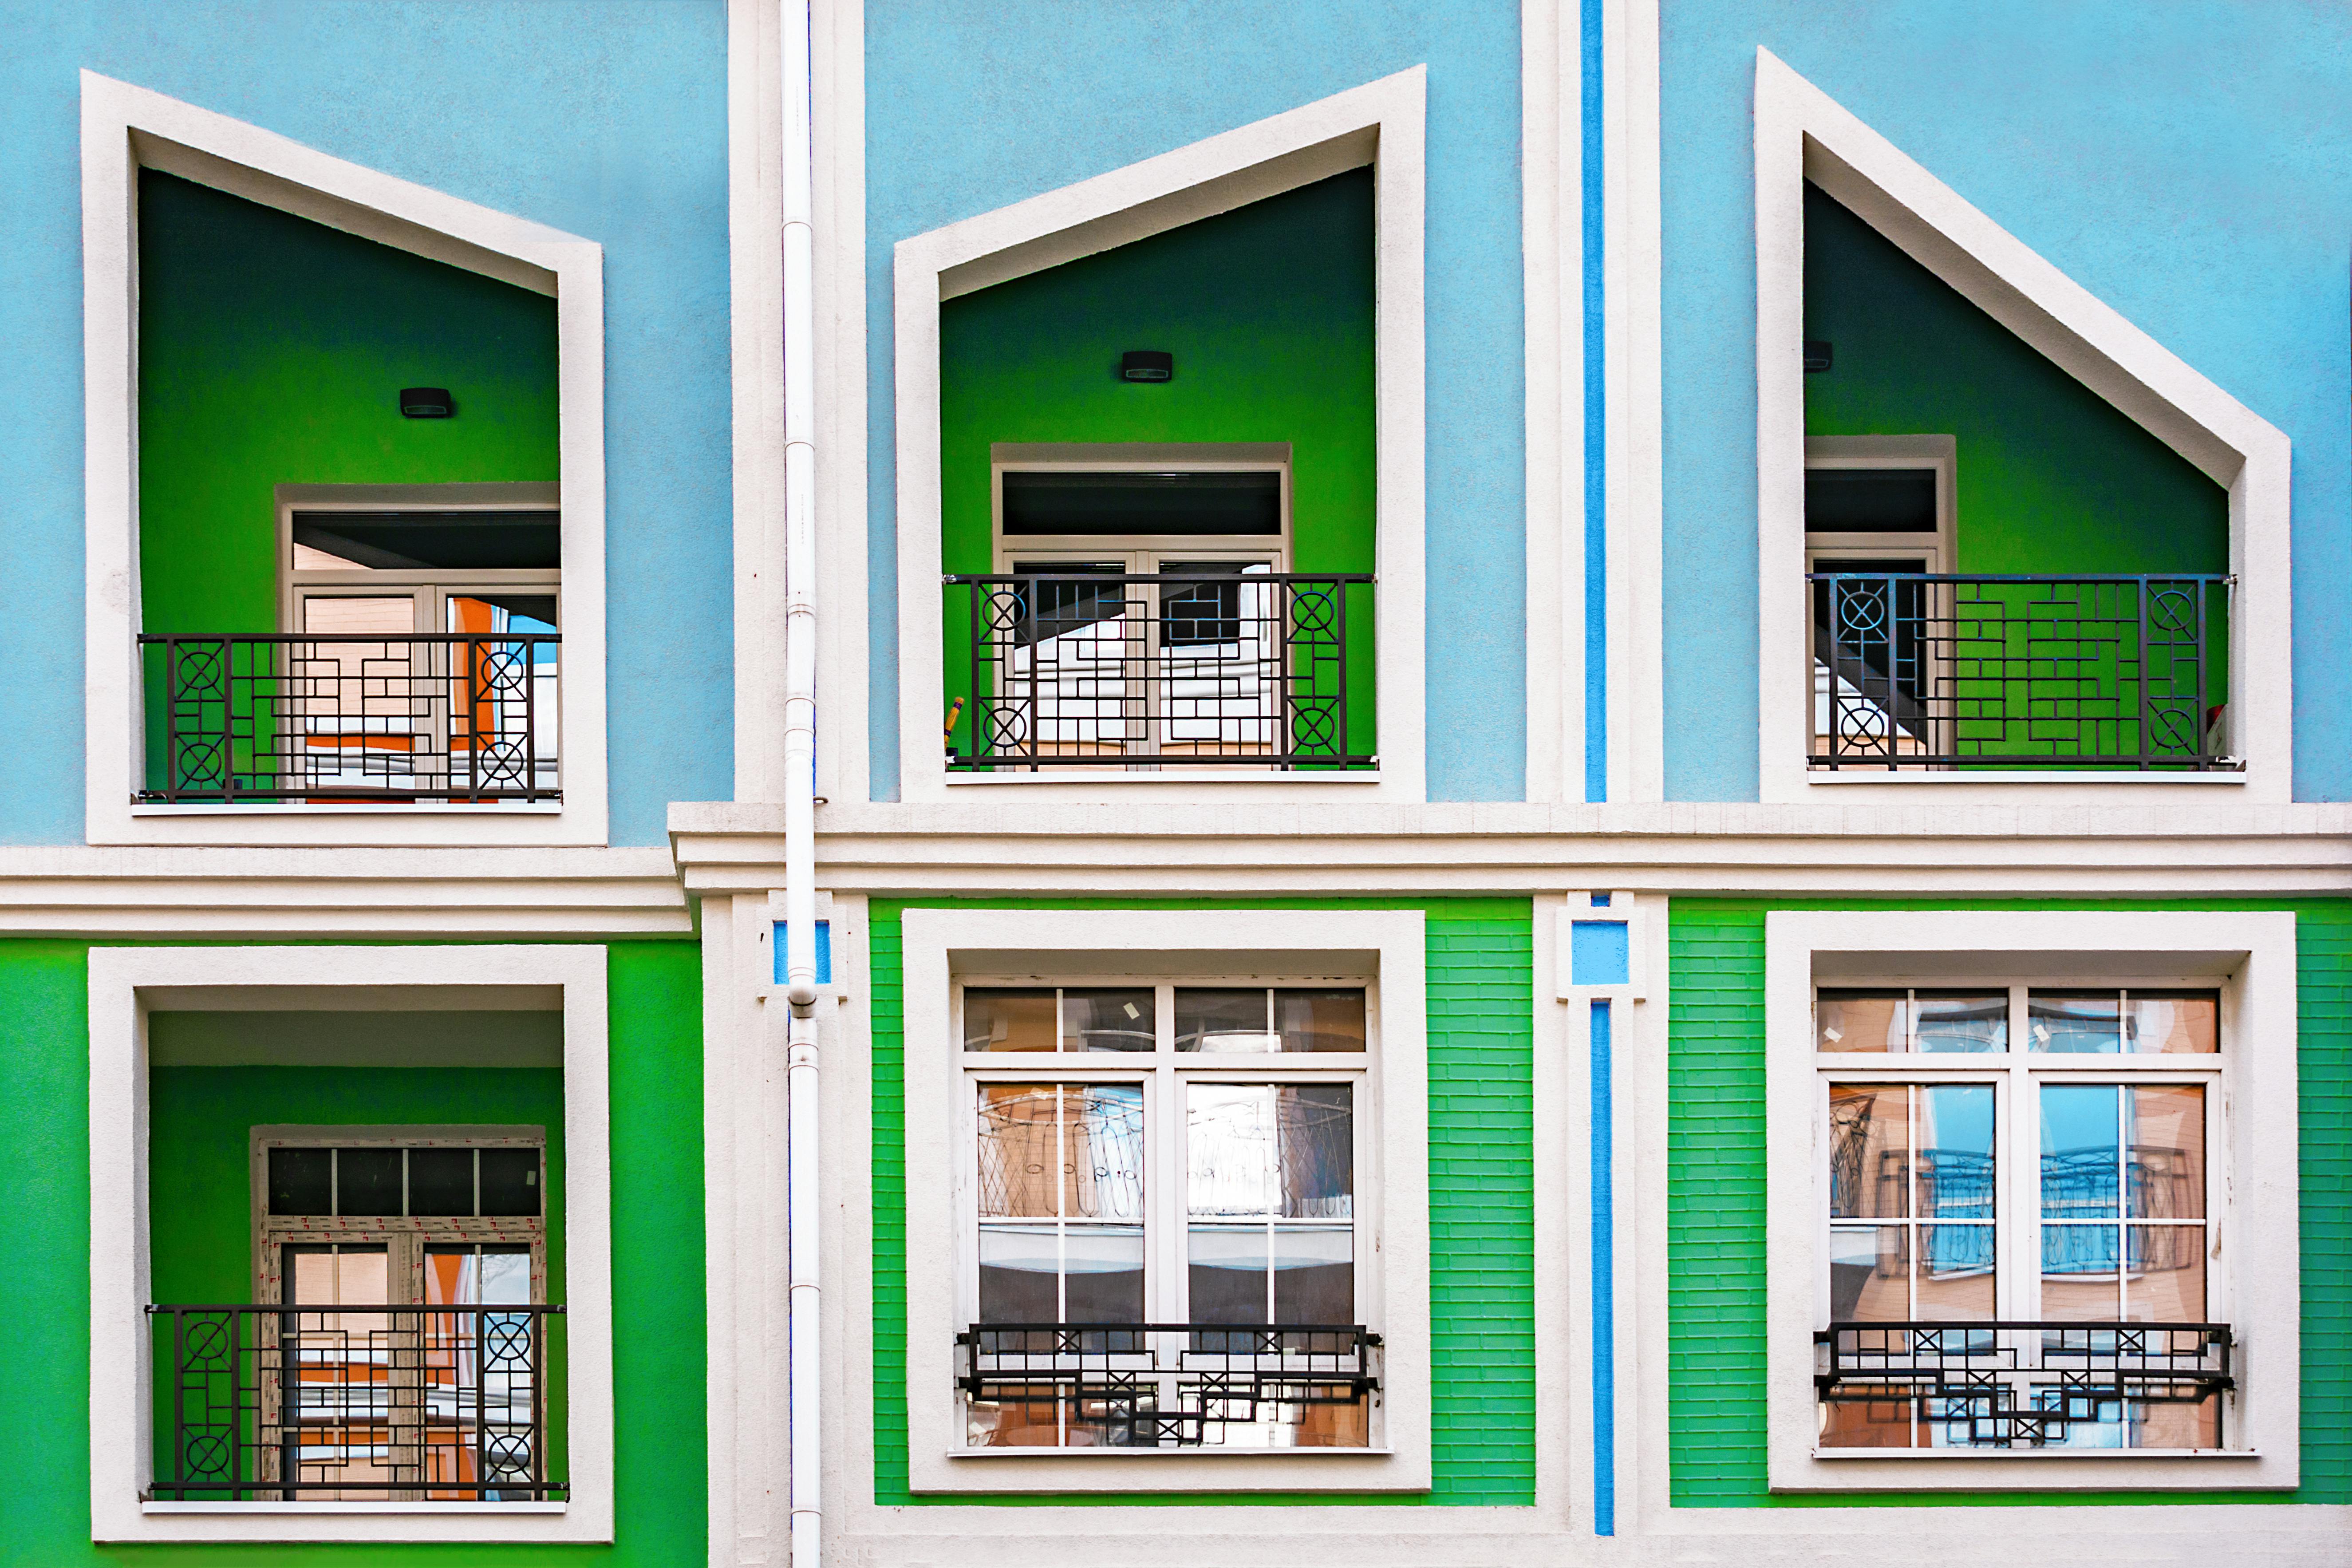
[799, 785]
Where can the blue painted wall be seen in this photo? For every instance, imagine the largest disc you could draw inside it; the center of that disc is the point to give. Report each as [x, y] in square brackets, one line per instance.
[973, 104]
[2189, 163]
[603, 118]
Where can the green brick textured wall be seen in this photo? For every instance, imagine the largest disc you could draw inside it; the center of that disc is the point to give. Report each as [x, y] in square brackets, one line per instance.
[1715, 1207]
[1481, 1193]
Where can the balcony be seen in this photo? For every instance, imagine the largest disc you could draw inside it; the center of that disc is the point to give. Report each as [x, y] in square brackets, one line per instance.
[1916, 671]
[394, 1403]
[1167, 1385]
[2020, 1384]
[1186, 668]
[353, 716]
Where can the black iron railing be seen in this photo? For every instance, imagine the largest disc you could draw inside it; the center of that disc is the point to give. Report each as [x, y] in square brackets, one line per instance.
[1181, 668]
[355, 1403]
[2016, 1383]
[1917, 671]
[353, 716]
[1169, 1386]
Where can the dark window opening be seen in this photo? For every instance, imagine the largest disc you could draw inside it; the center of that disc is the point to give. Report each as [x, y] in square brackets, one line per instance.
[1143, 503]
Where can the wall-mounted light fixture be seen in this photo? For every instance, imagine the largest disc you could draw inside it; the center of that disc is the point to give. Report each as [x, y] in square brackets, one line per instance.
[1817, 355]
[426, 402]
[1147, 364]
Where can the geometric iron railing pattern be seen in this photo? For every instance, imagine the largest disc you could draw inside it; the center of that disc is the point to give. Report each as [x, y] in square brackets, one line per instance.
[1167, 1385]
[356, 716]
[1193, 665]
[355, 1404]
[1946, 672]
[2013, 1384]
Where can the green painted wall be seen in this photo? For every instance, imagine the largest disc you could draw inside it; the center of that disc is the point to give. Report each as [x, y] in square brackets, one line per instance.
[1269, 311]
[1480, 956]
[2051, 477]
[1715, 1215]
[658, 1353]
[272, 350]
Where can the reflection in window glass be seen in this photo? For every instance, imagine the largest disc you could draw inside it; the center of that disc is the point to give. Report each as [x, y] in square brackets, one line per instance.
[1005, 1020]
[1067, 1161]
[1106, 1021]
[1862, 1020]
[1270, 1186]
[2123, 1202]
[1225, 1020]
[1938, 1261]
[1959, 1021]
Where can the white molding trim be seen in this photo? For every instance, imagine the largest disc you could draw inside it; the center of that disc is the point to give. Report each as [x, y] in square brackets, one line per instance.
[1379, 124]
[1633, 241]
[124, 128]
[1803, 134]
[121, 1380]
[1553, 247]
[755, 217]
[2252, 957]
[1140, 941]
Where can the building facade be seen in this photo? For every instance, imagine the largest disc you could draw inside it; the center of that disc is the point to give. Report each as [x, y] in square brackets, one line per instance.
[897, 783]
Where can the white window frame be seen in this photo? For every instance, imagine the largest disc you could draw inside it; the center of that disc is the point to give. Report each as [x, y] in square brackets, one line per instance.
[1802, 134]
[126, 128]
[1163, 1074]
[2254, 1285]
[125, 985]
[1383, 949]
[1379, 124]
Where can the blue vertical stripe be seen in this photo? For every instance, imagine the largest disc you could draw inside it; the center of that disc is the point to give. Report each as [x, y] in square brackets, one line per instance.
[1604, 1285]
[1596, 416]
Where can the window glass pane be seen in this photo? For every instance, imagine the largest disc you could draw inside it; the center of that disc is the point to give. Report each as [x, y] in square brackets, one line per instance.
[2161, 1022]
[1864, 1423]
[2081, 1151]
[1106, 1021]
[1319, 1020]
[2076, 1021]
[1314, 1273]
[388, 541]
[1318, 1150]
[1861, 1021]
[1020, 1274]
[1065, 502]
[322, 1274]
[1954, 1178]
[367, 1182]
[466, 1274]
[302, 1181]
[1103, 1274]
[1961, 1020]
[1870, 1151]
[339, 613]
[1218, 1020]
[2166, 1170]
[1008, 1020]
[511, 1185]
[1019, 1151]
[1102, 1151]
[2078, 1272]
[1955, 1273]
[441, 1181]
[1229, 1149]
[1227, 1273]
[1869, 1275]
[2165, 1281]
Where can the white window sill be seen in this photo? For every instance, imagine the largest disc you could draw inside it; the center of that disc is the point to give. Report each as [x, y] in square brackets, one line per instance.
[1861, 775]
[1156, 1454]
[299, 1509]
[2031, 1455]
[1051, 775]
[355, 808]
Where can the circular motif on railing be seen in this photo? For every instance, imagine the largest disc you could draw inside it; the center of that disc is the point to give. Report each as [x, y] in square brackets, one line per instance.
[508, 1455]
[1861, 724]
[2171, 609]
[502, 762]
[506, 1344]
[1005, 725]
[2172, 730]
[505, 668]
[1314, 611]
[206, 1338]
[1007, 608]
[1314, 727]
[1862, 613]
[202, 761]
[200, 668]
[207, 1453]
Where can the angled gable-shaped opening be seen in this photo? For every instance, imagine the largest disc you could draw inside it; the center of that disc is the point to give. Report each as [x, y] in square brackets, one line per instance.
[2004, 536]
[327, 405]
[1204, 367]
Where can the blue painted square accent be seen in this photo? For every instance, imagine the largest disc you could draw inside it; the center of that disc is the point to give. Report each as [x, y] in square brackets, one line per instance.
[824, 952]
[1601, 901]
[1600, 952]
